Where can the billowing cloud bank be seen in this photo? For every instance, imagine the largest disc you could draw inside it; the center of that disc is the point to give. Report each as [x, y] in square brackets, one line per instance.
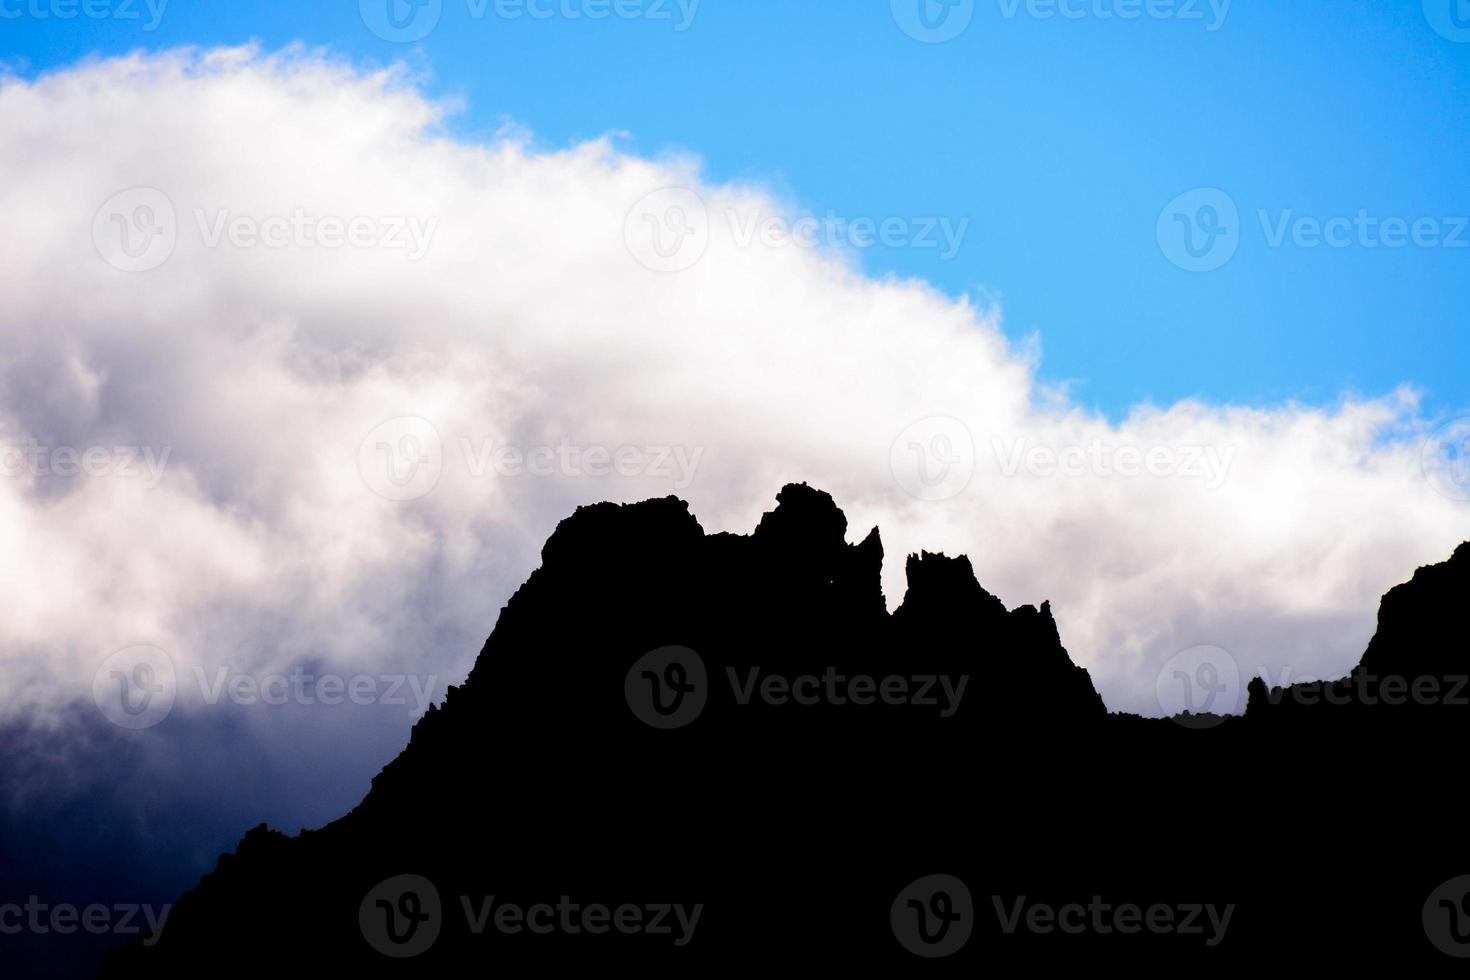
[366, 367]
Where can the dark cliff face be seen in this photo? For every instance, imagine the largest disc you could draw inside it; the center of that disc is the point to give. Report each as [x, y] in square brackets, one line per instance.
[1415, 667]
[667, 718]
[1417, 618]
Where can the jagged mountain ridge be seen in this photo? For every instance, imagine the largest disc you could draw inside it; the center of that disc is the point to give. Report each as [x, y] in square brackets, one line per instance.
[535, 776]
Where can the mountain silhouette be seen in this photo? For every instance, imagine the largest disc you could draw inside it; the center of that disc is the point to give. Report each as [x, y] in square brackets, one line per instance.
[681, 750]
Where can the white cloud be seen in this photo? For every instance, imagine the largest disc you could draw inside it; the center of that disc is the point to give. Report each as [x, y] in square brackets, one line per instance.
[527, 321]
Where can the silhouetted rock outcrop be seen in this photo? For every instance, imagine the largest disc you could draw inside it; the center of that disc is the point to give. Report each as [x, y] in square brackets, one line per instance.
[734, 730]
[1415, 666]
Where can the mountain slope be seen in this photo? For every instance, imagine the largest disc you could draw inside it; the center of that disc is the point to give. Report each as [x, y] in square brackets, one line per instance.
[733, 729]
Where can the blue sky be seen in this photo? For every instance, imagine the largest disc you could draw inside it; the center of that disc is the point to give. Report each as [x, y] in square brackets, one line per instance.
[1061, 140]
